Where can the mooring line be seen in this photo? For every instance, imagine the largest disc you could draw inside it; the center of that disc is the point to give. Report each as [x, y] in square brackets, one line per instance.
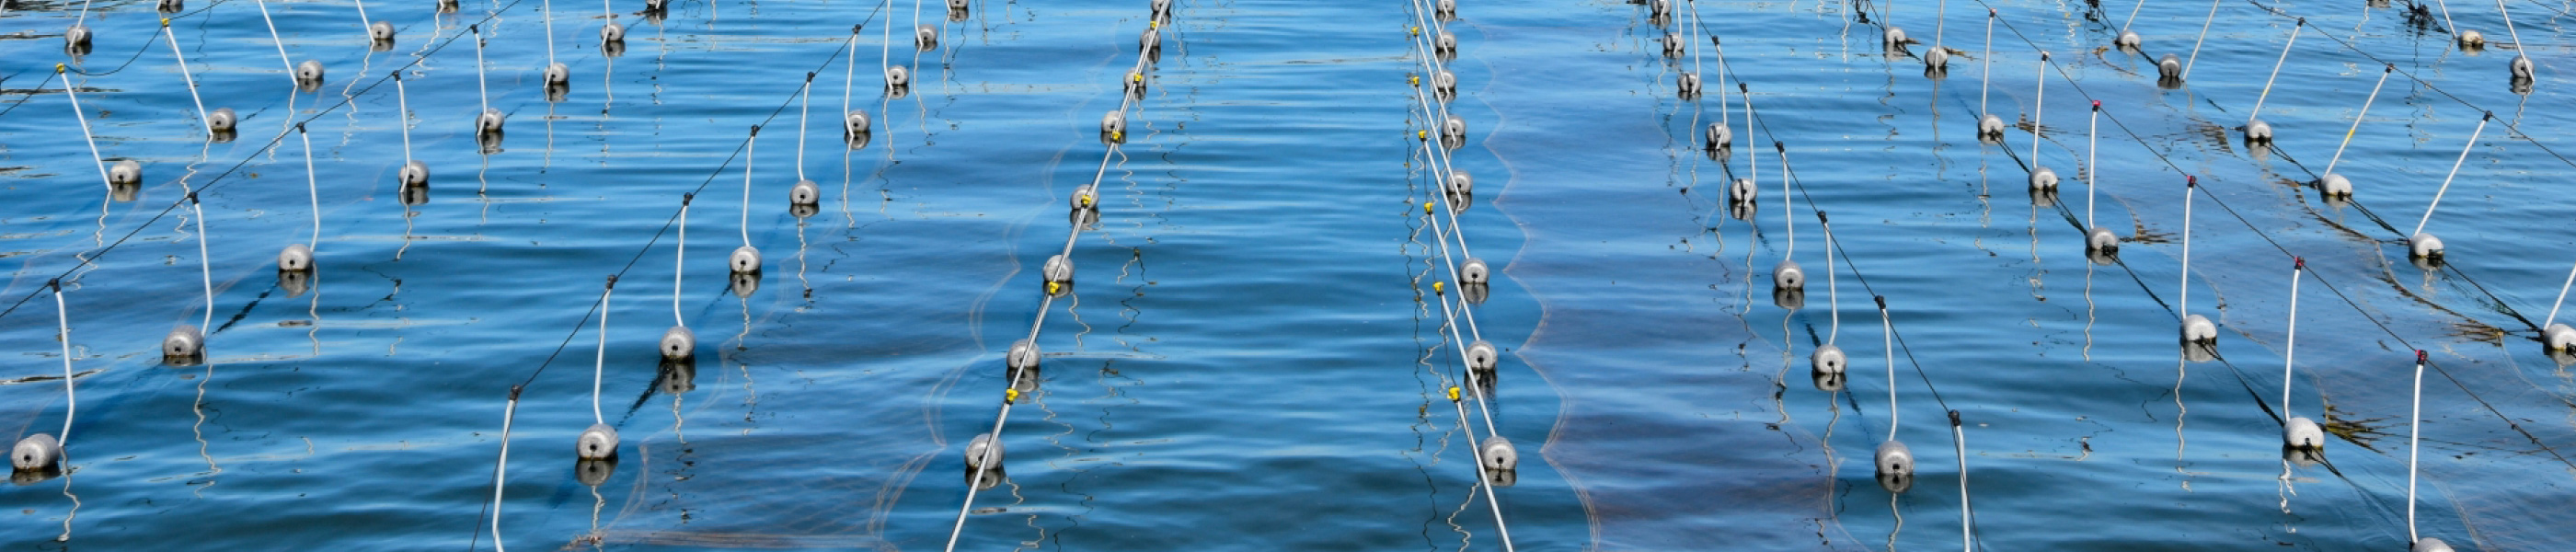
[984, 460]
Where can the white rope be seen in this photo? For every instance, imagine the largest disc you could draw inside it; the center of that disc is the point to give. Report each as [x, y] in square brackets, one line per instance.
[402, 101]
[2195, 42]
[2414, 445]
[2276, 72]
[747, 146]
[2562, 300]
[2357, 117]
[2508, 25]
[1887, 335]
[803, 113]
[71, 403]
[549, 7]
[2188, 184]
[273, 39]
[1833, 291]
[2290, 343]
[312, 188]
[2038, 100]
[599, 364]
[205, 262]
[2092, 167]
[680, 261]
[69, 90]
[1986, 74]
[184, 76]
[500, 468]
[363, 23]
[479, 89]
[2446, 180]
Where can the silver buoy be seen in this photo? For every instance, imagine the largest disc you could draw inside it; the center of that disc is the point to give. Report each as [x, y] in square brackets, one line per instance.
[956, 5]
[76, 37]
[2424, 246]
[2472, 40]
[745, 260]
[1445, 43]
[489, 123]
[2258, 132]
[2101, 240]
[1453, 129]
[1151, 40]
[381, 32]
[558, 75]
[2169, 67]
[1059, 275]
[855, 124]
[1675, 46]
[984, 453]
[1658, 9]
[2198, 330]
[37, 452]
[1894, 39]
[172, 6]
[2521, 68]
[1460, 184]
[2429, 544]
[184, 344]
[897, 77]
[1443, 9]
[650, 6]
[1113, 126]
[1720, 137]
[1023, 356]
[612, 32]
[1444, 84]
[805, 193]
[1474, 271]
[1937, 59]
[309, 73]
[925, 36]
[678, 343]
[1497, 454]
[414, 174]
[2558, 337]
[295, 258]
[2128, 40]
[1482, 357]
[1086, 197]
[2335, 186]
[1687, 85]
[1895, 466]
[449, 6]
[2303, 434]
[1742, 191]
[2043, 178]
[1135, 83]
[222, 120]
[1787, 275]
[1828, 359]
[125, 172]
[597, 443]
[1990, 126]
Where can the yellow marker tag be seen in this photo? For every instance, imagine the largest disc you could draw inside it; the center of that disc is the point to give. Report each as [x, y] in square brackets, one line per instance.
[58, 68]
[1440, 287]
[1415, 80]
[1422, 134]
[1119, 135]
[1453, 393]
[1426, 207]
[1415, 31]
[1051, 287]
[1086, 201]
[1013, 395]
[165, 22]
[1138, 77]
[1154, 24]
